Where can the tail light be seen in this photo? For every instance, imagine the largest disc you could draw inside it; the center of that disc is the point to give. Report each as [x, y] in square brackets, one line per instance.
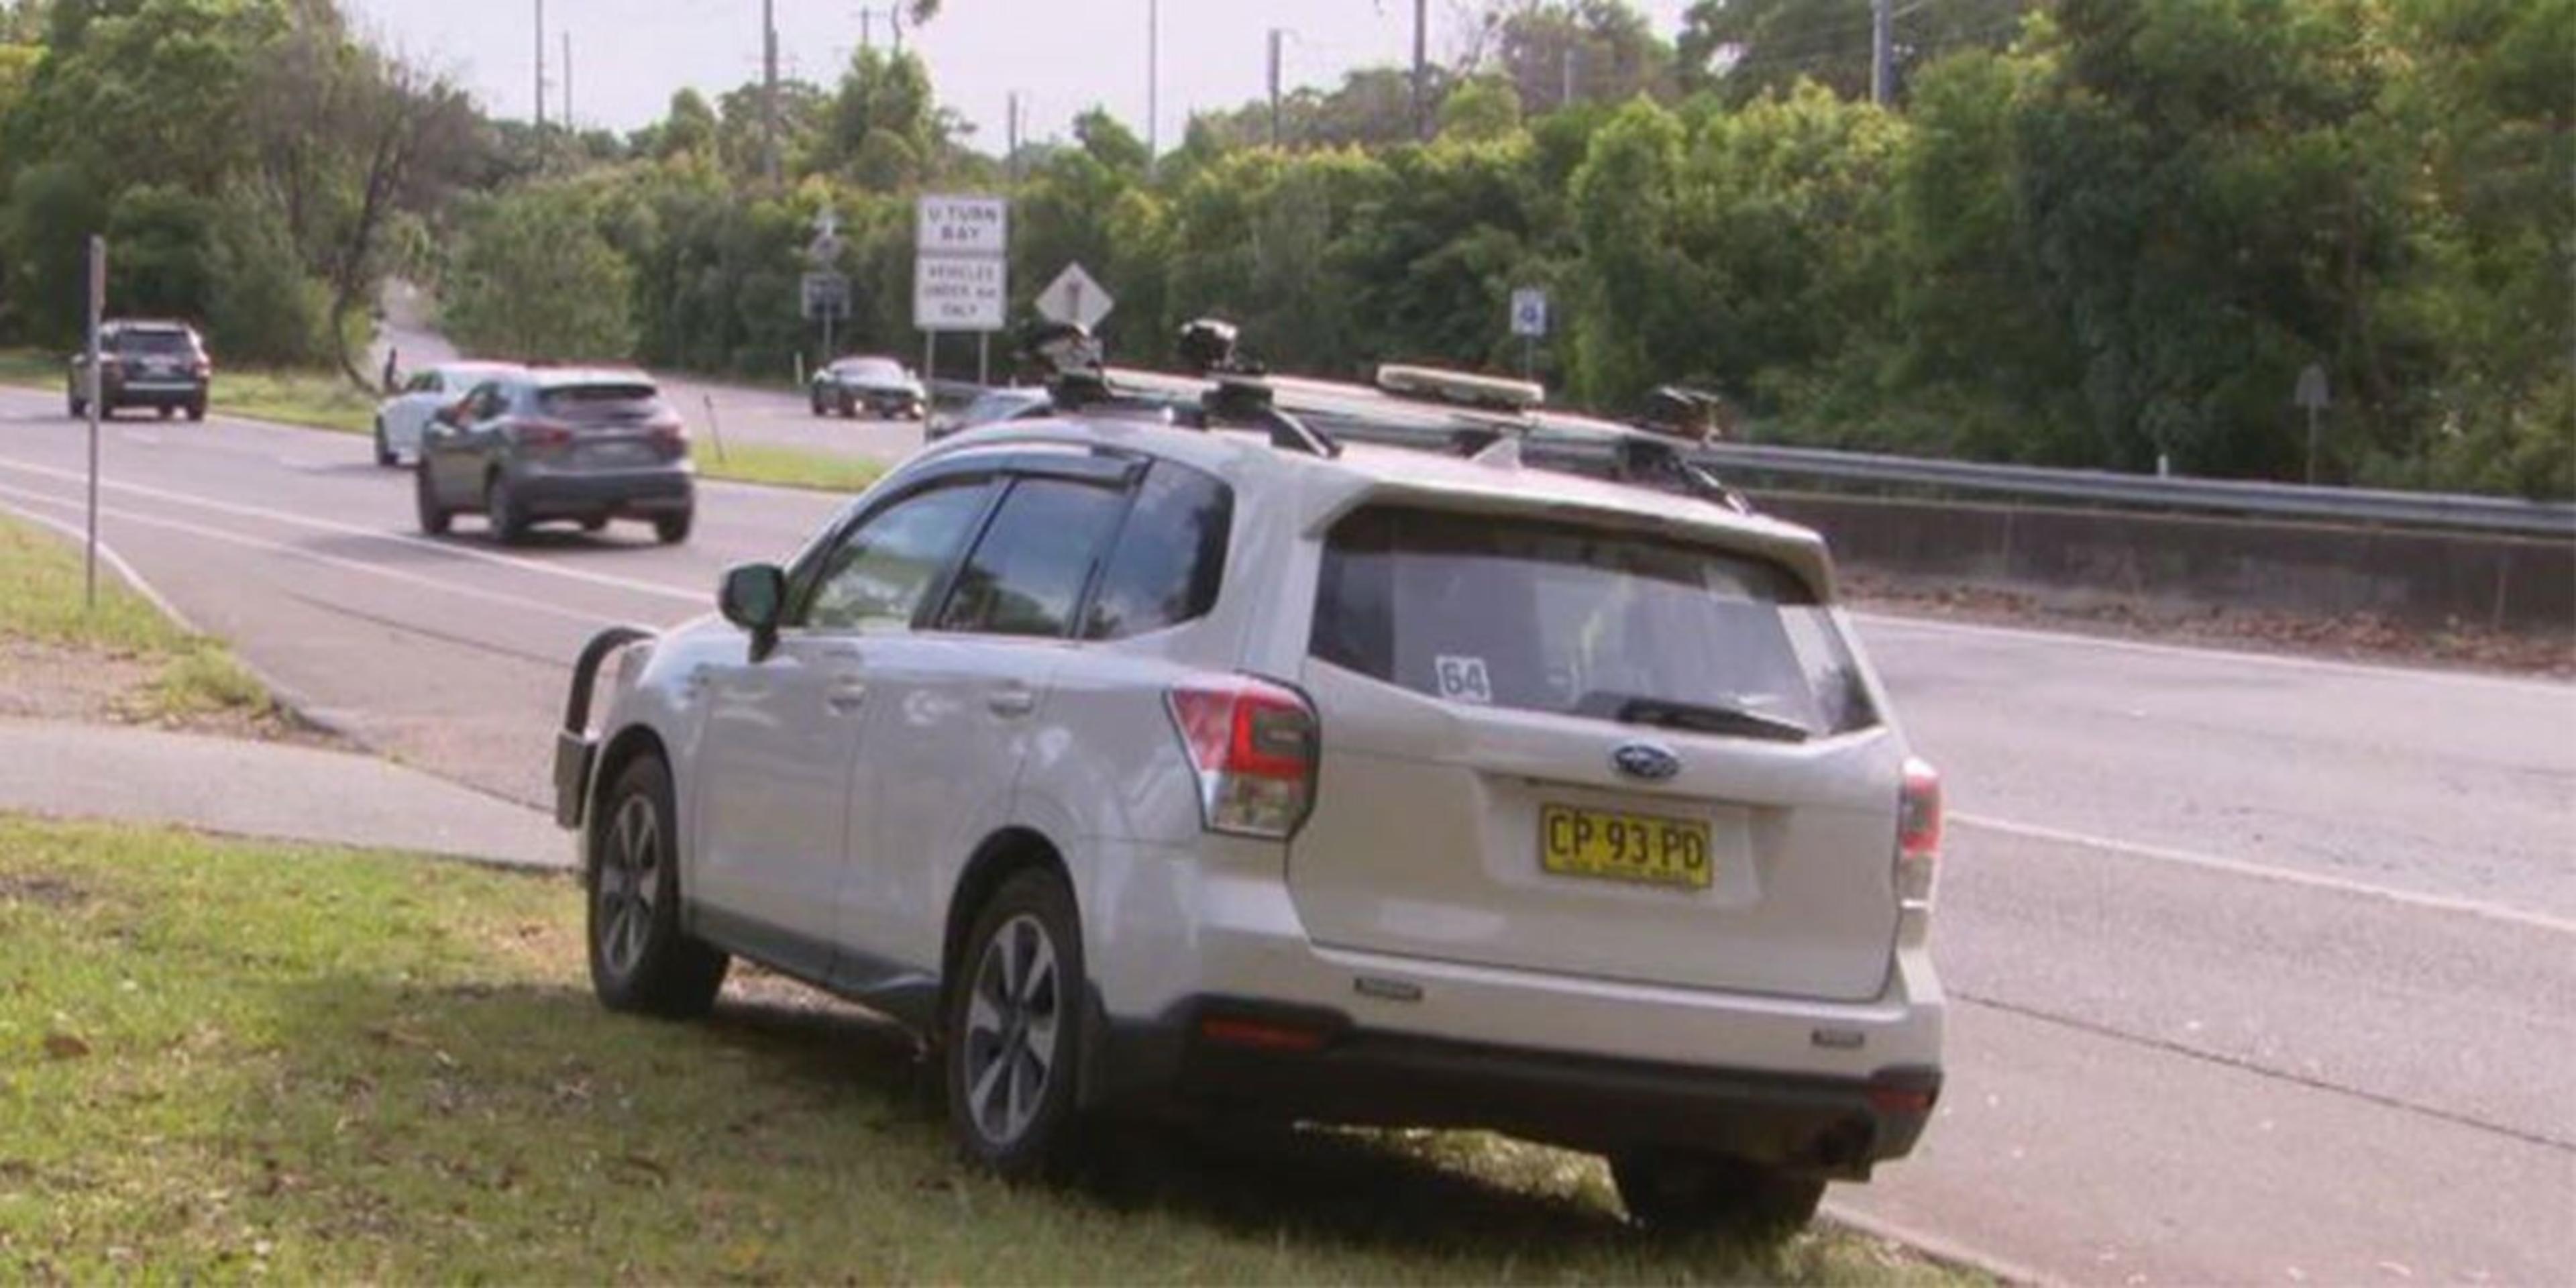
[201, 368]
[1918, 834]
[544, 435]
[1253, 745]
[670, 437]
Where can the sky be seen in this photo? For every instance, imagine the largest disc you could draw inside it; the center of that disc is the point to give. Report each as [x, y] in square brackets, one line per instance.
[1061, 56]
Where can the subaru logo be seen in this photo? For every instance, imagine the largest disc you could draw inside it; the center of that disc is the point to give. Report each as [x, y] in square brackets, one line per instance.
[1646, 760]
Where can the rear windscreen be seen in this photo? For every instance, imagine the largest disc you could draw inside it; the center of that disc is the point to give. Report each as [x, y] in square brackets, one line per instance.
[1542, 616]
[602, 404]
[871, 369]
[161, 343]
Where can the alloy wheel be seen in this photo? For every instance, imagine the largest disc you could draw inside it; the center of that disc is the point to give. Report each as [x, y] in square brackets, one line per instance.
[630, 880]
[1011, 1020]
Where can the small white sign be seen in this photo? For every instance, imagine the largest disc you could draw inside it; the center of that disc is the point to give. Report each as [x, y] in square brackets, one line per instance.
[1529, 312]
[1074, 298]
[1463, 678]
[959, 293]
[957, 225]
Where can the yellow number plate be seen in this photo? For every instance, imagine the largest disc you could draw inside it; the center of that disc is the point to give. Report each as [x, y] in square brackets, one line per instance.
[1619, 846]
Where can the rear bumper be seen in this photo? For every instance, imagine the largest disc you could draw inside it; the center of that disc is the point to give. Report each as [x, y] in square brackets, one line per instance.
[1231, 1056]
[1576, 1060]
[154, 393]
[549, 494]
[881, 401]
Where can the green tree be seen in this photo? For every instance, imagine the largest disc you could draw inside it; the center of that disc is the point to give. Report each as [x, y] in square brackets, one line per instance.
[533, 279]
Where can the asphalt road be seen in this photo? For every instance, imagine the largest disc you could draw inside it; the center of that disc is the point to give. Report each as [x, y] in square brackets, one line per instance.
[2262, 968]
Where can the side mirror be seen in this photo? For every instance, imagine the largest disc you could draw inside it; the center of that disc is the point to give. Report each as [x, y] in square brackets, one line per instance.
[754, 597]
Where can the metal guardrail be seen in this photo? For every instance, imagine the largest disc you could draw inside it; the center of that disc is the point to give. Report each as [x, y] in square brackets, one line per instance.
[2273, 500]
[1736, 461]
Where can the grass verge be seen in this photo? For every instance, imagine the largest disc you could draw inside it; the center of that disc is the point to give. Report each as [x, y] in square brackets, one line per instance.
[41, 604]
[787, 467]
[221, 1060]
[317, 398]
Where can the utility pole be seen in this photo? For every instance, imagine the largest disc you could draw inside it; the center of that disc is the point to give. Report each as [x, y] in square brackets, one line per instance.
[1882, 50]
[541, 73]
[1421, 69]
[769, 89]
[867, 28]
[894, 19]
[1011, 137]
[567, 65]
[1275, 34]
[1565, 93]
[1153, 83]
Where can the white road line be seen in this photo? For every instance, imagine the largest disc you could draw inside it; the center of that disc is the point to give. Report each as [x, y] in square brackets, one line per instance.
[2267, 872]
[2361, 670]
[334, 561]
[377, 534]
[107, 554]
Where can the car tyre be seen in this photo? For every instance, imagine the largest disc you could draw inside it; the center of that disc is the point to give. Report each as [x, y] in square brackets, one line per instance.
[197, 410]
[164, 410]
[433, 516]
[672, 529]
[384, 450]
[79, 405]
[641, 961]
[1013, 1027]
[1683, 1192]
[594, 522]
[501, 512]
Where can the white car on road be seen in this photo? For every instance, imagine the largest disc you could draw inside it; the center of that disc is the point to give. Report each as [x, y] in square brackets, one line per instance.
[1157, 769]
[400, 418]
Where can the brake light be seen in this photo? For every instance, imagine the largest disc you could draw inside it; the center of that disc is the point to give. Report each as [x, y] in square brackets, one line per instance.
[544, 434]
[1253, 746]
[201, 367]
[670, 437]
[1918, 833]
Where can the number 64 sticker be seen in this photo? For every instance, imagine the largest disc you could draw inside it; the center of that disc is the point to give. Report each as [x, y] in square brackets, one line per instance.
[1463, 678]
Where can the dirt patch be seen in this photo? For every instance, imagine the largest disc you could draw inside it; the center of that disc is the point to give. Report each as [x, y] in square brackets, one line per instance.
[2361, 637]
[42, 891]
[89, 686]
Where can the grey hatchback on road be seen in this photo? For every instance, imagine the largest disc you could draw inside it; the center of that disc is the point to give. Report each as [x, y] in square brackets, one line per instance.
[559, 444]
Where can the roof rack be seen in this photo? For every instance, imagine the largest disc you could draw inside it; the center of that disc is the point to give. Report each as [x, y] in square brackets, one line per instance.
[1425, 408]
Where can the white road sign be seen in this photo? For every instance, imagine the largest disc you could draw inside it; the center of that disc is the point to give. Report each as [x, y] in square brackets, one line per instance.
[1073, 297]
[959, 293]
[1529, 312]
[953, 225]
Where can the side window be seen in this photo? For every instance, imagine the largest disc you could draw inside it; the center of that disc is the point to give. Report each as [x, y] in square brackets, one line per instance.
[424, 383]
[1170, 557]
[1028, 572]
[875, 579]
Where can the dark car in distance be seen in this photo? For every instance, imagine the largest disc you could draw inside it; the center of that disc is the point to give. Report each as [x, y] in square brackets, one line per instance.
[542, 445]
[160, 365]
[879, 387]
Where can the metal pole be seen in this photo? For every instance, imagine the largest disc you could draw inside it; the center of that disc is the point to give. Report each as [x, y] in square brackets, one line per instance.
[1882, 50]
[567, 112]
[1529, 358]
[1153, 83]
[1274, 87]
[929, 356]
[894, 19]
[2312, 445]
[983, 357]
[1565, 73]
[769, 89]
[715, 430]
[867, 28]
[97, 314]
[541, 74]
[1421, 69]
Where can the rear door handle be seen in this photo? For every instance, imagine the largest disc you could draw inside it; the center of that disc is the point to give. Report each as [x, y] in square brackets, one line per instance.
[1013, 699]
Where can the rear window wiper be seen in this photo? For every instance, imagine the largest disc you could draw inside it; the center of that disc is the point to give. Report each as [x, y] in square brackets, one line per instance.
[1697, 717]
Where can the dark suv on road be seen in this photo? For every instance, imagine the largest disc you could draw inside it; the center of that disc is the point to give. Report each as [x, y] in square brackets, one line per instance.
[161, 365]
[534, 446]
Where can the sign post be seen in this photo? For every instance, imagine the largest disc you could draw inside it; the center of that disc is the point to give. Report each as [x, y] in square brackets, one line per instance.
[2312, 395]
[97, 316]
[961, 269]
[1529, 322]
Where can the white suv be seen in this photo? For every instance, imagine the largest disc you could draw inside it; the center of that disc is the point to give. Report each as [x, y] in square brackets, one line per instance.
[1146, 768]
